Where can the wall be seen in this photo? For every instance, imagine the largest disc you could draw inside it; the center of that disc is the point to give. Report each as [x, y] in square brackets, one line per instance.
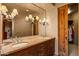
[21, 27]
[75, 18]
[52, 27]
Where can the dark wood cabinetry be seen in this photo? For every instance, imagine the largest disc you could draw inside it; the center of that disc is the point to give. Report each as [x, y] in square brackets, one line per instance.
[46, 48]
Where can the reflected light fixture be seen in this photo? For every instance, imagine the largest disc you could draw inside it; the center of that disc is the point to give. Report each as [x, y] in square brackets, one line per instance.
[31, 18]
[14, 13]
[4, 11]
[44, 21]
[37, 18]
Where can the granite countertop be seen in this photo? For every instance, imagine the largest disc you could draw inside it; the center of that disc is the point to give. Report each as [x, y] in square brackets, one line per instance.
[30, 40]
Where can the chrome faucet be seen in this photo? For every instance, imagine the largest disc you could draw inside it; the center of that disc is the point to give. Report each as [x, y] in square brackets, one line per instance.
[16, 40]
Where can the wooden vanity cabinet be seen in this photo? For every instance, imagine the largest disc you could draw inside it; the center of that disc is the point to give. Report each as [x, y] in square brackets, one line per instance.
[46, 48]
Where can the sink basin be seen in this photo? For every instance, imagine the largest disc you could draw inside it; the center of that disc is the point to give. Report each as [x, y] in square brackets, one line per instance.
[19, 44]
[6, 43]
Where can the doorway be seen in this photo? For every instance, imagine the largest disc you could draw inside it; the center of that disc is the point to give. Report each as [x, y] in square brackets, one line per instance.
[7, 29]
[73, 29]
[63, 30]
[68, 30]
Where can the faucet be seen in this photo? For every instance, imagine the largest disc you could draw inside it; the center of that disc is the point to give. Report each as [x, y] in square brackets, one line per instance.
[16, 40]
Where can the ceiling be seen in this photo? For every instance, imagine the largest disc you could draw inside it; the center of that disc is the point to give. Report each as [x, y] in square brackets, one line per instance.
[33, 8]
[73, 7]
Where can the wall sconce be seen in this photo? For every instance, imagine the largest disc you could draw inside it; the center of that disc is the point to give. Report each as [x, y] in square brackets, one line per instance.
[44, 21]
[14, 13]
[4, 11]
[31, 19]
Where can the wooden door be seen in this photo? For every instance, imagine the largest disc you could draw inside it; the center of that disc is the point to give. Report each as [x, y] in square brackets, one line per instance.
[63, 30]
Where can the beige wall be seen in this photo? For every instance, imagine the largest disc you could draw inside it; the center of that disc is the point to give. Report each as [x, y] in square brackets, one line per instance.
[52, 27]
[21, 27]
[75, 19]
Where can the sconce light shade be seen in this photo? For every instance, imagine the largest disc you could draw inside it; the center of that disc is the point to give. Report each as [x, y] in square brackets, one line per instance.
[44, 20]
[15, 11]
[32, 19]
[27, 18]
[37, 18]
[30, 16]
[40, 21]
[5, 13]
[12, 15]
[4, 8]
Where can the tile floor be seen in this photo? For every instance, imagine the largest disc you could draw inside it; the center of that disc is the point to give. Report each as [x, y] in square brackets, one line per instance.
[72, 50]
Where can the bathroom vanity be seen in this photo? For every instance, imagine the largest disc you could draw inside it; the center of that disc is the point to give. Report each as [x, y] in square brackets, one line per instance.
[29, 46]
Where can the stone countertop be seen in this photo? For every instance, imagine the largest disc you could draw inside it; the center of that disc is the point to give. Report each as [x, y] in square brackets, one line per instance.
[30, 40]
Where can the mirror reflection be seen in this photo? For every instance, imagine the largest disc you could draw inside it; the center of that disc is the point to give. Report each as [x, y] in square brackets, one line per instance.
[20, 20]
[23, 24]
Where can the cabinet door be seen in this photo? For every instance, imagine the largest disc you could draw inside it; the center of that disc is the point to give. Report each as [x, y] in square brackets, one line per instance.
[63, 30]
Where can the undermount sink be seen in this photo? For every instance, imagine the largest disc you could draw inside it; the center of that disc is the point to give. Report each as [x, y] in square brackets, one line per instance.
[20, 44]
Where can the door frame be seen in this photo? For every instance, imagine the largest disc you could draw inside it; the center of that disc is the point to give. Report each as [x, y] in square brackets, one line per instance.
[59, 32]
[78, 32]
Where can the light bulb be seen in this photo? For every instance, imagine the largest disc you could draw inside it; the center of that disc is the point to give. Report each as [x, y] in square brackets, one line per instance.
[15, 11]
[10, 16]
[32, 20]
[4, 13]
[30, 16]
[43, 20]
[26, 18]
[40, 21]
[13, 15]
[4, 8]
[37, 18]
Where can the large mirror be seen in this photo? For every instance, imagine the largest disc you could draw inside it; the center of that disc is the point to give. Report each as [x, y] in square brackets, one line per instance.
[25, 23]
[19, 23]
